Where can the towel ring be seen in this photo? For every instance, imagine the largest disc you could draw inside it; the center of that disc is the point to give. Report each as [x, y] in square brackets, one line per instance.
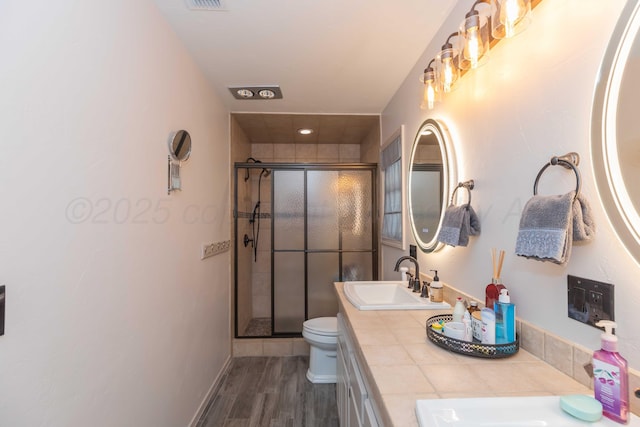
[468, 185]
[568, 161]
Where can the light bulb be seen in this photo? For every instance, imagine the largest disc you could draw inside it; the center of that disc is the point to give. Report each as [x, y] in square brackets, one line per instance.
[447, 69]
[511, 12]
[429, 95]
[473, 48]
[447, 74]
[474, 40]
[430, 88]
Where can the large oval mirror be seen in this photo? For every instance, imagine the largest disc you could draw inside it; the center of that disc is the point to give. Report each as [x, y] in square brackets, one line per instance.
[616, 130]
[180, 145]
[430, 168]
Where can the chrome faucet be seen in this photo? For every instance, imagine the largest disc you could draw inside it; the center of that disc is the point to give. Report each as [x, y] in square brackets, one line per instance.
[415, 281]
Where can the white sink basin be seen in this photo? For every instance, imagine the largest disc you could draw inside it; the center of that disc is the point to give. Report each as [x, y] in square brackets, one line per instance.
[381, 295]
[503, 412]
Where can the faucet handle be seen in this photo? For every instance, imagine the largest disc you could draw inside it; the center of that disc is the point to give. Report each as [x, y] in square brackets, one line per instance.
[425, 290]
[409, 280]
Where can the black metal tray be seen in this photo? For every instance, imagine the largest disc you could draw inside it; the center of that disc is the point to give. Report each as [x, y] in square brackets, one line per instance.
[470, 348]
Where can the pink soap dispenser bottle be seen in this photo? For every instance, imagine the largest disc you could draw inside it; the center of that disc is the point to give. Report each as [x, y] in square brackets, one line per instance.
[610, 376]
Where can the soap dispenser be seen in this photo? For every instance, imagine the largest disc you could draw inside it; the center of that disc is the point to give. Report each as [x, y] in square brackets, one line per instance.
[403, 274]
[458, 310]
[436, 291]
[610, 376]
[505, 318]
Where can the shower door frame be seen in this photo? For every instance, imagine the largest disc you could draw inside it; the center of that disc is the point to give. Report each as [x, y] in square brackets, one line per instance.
[306, 167]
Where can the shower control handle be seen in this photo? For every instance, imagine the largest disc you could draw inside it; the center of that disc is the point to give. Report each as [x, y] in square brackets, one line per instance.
[247, 240]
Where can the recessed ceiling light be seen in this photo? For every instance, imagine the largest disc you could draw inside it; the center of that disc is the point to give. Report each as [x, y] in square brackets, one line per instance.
[267, 94]
[305, 131]
[245, 93]
[207, 5]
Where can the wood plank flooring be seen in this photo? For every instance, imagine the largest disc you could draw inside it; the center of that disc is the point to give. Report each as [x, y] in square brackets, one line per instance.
[271, 392]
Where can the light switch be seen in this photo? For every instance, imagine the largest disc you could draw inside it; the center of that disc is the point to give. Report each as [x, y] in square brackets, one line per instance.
[2, 299]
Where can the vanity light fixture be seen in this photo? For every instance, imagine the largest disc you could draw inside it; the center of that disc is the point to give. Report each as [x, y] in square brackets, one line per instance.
[477, 34]
[305, 131]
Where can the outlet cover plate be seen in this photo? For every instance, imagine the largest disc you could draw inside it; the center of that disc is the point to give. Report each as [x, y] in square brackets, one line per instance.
[211, 249]
[589, 301]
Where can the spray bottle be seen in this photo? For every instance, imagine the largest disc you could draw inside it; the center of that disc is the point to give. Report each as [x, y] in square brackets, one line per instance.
[610, 376]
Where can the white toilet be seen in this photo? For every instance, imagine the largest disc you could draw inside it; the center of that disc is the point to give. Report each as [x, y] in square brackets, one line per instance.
[322, 335]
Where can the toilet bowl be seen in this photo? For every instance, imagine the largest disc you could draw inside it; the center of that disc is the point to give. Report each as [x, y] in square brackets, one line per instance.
[322, 335]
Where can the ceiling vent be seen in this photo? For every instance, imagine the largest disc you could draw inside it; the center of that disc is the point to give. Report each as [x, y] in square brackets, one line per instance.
[219, 5]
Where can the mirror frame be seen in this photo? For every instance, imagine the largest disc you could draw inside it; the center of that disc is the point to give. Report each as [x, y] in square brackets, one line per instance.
[615, 199]
[441, 132]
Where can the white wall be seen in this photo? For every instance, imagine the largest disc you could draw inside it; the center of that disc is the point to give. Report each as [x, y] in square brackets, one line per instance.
[530, 102]
[112, 319]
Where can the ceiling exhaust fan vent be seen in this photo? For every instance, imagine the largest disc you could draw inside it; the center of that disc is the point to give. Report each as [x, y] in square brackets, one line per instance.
[219, 5]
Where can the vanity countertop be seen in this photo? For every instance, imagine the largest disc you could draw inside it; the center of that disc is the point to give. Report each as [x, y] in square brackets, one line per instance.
[402, 365]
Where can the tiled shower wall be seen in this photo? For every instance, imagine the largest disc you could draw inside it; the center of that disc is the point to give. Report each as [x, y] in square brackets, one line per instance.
[306, 153]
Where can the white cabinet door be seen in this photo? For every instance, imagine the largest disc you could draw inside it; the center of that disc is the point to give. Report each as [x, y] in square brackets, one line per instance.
[342, 387]
[358, 389]
[354, 416]
[369, 419]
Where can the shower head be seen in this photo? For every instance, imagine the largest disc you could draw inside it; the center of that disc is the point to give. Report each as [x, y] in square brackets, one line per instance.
[249, 160]
[264, 173]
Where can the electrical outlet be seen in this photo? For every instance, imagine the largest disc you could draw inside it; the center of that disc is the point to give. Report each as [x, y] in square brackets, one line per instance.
[589, 301]
[211, 249]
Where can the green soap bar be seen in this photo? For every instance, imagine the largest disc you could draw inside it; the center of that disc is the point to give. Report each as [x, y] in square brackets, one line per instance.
[583, 407]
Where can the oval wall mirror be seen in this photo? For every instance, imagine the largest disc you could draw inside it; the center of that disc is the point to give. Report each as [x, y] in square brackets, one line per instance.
[180, 145]
[429, 184]
[615, 129]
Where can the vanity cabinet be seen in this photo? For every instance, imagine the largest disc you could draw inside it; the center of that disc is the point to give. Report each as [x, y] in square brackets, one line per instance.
[355, 405]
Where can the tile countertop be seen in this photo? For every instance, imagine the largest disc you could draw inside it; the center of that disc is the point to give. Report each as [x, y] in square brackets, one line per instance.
[402, 365]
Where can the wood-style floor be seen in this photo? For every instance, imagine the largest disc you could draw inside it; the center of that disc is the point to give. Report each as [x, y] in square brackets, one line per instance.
[271, 392]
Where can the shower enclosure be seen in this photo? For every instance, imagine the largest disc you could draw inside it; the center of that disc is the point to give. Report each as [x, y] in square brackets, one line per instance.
[299, 228]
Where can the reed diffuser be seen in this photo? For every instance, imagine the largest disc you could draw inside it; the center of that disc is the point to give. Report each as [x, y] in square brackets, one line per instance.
[492, 292]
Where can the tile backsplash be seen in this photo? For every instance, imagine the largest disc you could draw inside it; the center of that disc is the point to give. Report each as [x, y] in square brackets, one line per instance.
[568, 357]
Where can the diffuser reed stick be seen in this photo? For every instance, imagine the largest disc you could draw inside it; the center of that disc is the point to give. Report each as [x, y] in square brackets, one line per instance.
[493, 289]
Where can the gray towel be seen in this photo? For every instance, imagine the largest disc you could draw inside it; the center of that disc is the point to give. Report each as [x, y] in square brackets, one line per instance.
[458, 224]
[583, 226]
[549, 224]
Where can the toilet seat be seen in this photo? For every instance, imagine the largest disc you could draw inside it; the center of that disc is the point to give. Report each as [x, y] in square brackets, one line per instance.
[325, 326]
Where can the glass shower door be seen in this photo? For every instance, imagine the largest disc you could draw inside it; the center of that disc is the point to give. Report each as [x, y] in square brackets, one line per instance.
[323, 231]
[288, 251]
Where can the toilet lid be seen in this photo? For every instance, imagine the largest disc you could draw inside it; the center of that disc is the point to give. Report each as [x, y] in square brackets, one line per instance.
[322, 325]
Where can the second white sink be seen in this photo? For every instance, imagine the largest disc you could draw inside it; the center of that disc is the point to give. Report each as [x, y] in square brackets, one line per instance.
[530, 411]
[387, 295]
